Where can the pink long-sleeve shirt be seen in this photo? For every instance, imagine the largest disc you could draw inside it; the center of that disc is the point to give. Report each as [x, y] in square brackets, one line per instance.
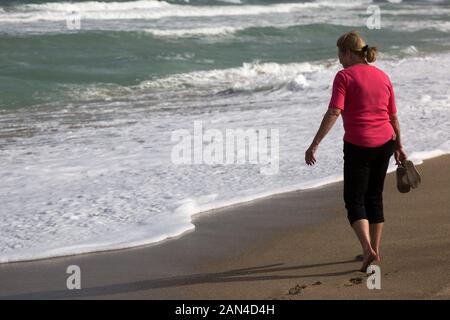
[365, 95]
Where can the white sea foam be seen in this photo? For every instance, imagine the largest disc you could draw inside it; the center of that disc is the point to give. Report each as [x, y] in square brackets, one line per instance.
[250, 77]
[231, 1]
[97, 175]
[222, 30]
[153, 10]
[395, 24]
[173, 20]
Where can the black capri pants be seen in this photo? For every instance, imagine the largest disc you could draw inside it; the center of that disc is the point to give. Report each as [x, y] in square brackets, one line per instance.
[364, 174]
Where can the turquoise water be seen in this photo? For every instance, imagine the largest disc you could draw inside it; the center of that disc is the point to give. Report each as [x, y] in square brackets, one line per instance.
[39, 59]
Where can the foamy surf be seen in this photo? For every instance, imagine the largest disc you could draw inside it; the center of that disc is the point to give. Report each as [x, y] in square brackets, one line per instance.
[170, 20]
[224, 30]
[251, 77]
[153, 10]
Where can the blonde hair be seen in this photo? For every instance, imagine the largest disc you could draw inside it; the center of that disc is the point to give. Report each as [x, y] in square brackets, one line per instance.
[352, 41]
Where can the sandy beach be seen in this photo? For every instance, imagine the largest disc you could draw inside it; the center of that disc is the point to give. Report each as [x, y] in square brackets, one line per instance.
[296, 245]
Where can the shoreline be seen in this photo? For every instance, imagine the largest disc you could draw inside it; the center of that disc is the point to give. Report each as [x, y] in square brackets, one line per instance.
[211, 208]
[259, 250]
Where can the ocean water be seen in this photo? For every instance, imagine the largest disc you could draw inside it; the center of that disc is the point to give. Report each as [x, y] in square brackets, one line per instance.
[87, 114]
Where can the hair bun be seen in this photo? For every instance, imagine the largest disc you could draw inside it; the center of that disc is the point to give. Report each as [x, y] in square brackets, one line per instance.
[365, 48]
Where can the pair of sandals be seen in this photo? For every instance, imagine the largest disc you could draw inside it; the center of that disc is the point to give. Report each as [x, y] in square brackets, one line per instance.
[407, 176]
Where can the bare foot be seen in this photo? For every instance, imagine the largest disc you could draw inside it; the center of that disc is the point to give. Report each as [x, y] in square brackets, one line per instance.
[378, 258]
[377, 252]
[369, 257]
[360, 257]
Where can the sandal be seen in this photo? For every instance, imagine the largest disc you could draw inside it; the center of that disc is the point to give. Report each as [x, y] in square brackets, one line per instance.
[402, 179]
[412, 173]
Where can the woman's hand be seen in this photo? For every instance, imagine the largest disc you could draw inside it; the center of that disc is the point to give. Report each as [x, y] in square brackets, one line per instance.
[329, 118]
[309, 154]
[399, 155]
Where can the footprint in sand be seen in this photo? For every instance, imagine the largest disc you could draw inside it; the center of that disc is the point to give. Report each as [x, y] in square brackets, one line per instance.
[354, 281]
[298, 288]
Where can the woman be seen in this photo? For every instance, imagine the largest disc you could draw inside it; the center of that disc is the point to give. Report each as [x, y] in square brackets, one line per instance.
[363, 94]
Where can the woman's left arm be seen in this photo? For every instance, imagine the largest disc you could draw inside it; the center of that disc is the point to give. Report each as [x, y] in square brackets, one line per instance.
[327, 123]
